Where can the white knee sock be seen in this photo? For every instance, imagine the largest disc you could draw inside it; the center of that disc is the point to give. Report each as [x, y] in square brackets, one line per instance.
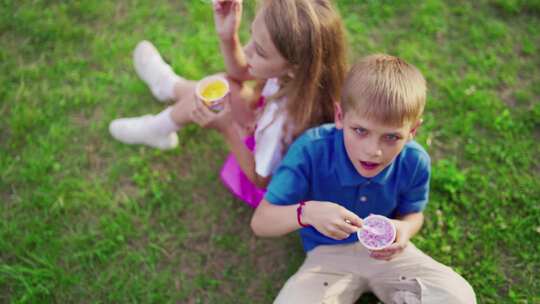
[162, 123]
[154, 71]
[157, 131]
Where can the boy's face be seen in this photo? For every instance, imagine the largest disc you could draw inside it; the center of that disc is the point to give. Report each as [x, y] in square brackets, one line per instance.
[372, 146]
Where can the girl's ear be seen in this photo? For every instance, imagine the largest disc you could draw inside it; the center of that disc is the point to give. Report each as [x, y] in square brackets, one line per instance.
[415, 127]
[290, 74]
[338, 115]
[291, 70]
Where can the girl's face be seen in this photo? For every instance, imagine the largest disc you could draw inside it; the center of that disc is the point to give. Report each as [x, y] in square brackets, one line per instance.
[263, 59]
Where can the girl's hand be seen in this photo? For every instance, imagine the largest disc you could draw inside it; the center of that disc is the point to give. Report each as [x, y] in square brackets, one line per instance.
[227, 17]
[206, 118]
[330, 219]
[403, 236]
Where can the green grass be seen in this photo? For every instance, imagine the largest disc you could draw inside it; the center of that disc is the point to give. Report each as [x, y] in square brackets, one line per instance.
[85, 219]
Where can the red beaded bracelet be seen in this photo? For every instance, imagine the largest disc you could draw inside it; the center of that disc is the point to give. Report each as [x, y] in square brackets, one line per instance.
[299, 214]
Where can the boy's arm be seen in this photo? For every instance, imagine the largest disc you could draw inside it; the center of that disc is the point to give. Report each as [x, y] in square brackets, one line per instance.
[328, 218]
[227, 17]
[277, 213]
[409, 225]
[409, 218]
[274, 220]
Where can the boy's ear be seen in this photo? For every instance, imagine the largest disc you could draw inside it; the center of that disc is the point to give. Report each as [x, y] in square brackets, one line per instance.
[338, 115]
[415, 127]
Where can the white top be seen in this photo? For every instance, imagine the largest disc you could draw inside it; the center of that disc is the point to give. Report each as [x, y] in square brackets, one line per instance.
[269, 132]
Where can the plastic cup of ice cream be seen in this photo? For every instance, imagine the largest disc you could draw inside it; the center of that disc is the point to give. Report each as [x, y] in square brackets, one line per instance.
[212, 91]
[381, 232]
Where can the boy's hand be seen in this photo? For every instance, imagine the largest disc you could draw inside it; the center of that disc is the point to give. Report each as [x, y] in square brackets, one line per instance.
[403, 236]
[332, 220]
[227, 17]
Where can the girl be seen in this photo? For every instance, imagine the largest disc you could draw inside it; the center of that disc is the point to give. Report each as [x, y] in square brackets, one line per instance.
[297, 50]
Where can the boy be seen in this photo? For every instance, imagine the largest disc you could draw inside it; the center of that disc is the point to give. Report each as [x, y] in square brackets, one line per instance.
[334, 175]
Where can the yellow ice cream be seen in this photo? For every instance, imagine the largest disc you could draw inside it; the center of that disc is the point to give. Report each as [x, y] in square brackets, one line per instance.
[214, 90]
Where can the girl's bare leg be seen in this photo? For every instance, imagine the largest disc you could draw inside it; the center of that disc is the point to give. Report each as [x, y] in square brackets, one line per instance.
[159, 130]
[184, 94]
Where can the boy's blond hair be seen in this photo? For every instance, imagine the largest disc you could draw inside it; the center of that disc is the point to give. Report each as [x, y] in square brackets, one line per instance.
[386, 89]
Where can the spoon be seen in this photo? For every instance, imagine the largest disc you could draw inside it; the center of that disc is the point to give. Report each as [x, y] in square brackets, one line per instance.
[368, 229]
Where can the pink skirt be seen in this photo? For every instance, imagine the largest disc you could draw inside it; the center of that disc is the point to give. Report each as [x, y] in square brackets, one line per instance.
[234, 179]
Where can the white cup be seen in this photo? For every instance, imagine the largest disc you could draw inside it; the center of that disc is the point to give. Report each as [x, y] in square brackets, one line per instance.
[214, 103]
[380, 240]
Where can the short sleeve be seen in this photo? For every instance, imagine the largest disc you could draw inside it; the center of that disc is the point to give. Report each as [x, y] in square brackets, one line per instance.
[290, 182]
[270, 88]
[269, 132]
[415, 196]
[268, 141]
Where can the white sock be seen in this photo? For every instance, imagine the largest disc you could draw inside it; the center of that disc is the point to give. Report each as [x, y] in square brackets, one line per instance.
[162, 123]
[154, 71]
[157, 131]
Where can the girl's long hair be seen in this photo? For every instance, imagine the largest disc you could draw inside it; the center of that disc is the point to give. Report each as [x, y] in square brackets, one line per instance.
[309, 34]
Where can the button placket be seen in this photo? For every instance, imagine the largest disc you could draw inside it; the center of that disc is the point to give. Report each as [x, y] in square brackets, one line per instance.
[362, 197]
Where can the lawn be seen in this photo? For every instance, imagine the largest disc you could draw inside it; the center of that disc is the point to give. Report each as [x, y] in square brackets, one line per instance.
[85, 219]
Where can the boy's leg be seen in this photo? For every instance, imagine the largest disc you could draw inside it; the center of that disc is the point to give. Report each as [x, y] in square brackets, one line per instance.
[414, 277]
[325, 277]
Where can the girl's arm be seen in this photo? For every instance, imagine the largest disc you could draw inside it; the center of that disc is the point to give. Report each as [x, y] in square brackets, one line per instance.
[235, 60]
[244, 156]
[227, 17]
[328, 218]
[223, 123]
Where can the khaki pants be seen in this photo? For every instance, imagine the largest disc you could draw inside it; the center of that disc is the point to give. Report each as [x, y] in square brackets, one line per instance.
[341, 273]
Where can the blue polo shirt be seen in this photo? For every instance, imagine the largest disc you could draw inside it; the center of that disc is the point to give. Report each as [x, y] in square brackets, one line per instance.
[317, 167]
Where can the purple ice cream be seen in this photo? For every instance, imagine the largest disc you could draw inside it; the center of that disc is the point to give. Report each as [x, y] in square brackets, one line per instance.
[386, 232]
